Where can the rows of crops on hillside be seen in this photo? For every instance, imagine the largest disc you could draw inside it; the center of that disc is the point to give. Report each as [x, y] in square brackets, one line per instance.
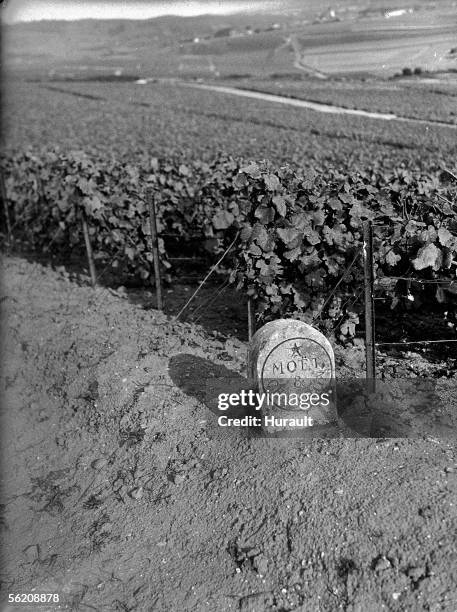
[423, 103]
[131, 121]
[108, 143]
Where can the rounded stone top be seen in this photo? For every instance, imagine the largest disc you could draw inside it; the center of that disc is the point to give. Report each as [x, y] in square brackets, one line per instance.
[289, 348]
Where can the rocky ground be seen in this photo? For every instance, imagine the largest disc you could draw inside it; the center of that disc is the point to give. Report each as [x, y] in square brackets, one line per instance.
[121, 493]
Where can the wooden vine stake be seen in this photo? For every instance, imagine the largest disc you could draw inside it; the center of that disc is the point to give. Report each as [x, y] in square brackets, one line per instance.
[155, 246]
[89, 253]
[5, 209]
[369, 305]
[251, 318]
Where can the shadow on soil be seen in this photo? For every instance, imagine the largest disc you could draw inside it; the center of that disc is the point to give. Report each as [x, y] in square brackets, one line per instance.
[205, 381]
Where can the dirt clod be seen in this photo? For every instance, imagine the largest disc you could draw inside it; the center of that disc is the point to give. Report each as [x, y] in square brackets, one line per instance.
[99, 464]
[382, 564]
[178, 478]
[415, 573]
[261, 564]
[136, 493]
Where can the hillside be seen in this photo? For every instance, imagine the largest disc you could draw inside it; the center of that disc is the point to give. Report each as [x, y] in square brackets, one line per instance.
[259, 43]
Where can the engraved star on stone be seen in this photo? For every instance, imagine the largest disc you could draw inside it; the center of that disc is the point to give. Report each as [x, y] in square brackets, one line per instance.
[296, 350]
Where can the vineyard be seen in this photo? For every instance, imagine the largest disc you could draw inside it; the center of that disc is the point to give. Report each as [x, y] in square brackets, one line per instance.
[436, 102]
[297, 227]
[298, 230]
[122, 491]
[131, 123]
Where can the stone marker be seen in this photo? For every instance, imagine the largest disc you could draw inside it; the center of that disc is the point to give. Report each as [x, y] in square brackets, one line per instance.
[290, 358]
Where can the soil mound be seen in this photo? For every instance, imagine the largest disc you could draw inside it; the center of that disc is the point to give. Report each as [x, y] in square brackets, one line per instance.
[122, 494]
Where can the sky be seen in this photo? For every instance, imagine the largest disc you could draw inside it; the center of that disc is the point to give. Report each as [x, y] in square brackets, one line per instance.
[33, 10]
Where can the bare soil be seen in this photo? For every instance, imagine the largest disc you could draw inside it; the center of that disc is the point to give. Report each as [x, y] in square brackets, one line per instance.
[121, 493]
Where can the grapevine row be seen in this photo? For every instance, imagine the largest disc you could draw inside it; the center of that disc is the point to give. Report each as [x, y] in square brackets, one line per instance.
[298, 230]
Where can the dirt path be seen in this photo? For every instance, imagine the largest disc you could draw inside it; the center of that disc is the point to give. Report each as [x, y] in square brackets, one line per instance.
[316, 106]
[122, 494]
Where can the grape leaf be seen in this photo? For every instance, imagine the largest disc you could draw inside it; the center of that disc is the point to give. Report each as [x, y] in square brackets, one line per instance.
[254, 250]
[392, 258]
[280, 205]
[293, 254]
[252, 170]
[445, 237]
[428, 256]
[288, 234]
[272, 182]
[319, 217]
[246, 233]
[130, 252]
[240, 181]
[265, 214]
[260, 235]
[184, 170]
[222, 220]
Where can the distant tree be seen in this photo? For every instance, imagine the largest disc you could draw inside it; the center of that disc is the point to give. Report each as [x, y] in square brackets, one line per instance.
[418, 70]
[223, 32]
[407, 72]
